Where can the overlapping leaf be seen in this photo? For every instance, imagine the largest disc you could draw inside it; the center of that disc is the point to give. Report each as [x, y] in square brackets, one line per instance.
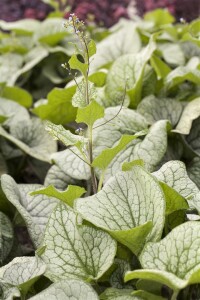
[21, 273]
[74, 251]
[155, 109]
[130, 206]
[34, 210]
[31, 137]
[66, 289]
[174, 174]
[174, 261]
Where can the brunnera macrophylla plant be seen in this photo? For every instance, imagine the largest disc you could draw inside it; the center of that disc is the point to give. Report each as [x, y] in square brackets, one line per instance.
[127, 226]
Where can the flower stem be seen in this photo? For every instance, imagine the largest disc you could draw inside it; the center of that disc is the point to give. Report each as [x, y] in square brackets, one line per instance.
[93, 177]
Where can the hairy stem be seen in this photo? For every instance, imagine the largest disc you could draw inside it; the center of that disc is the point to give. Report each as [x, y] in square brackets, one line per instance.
[93, 177]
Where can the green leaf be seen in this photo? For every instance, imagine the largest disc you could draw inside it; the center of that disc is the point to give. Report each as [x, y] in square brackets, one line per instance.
[159, 17]
[174, 174]
[65, 136]
[149, 286]
[34, 210]
[6, 237]
[126, 122]
[152, 149]
[98, 78]
[194, 28]
[174, 201]
[174, 261]
[50, 32]
[128, 69]
[180, 75]
[90, 113]
[172, 54]
[176, 218]
[79, 98]
[125, 40]
[22, 272]
[91, 48]
[117, 208]
[18, 95]
[66, 290]
[68, 196]
[91, 250]
[190, 113]
[76, 64]
[58, 109]
[155, 109]
[161, 68]
[127, 166]
[31, 137]
[106, 156]
[2, 119]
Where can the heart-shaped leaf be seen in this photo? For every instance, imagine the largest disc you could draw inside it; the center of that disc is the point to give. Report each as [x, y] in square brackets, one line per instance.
[131, 207]
[91, 250]
[175, 260]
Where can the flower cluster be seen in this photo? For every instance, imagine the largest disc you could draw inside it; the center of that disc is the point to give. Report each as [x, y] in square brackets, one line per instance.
[74, 23]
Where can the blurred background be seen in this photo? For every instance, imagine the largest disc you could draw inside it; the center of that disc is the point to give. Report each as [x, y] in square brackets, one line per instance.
[104, 12]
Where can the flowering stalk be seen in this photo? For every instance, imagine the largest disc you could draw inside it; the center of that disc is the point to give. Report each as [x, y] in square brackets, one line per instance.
[77, 27]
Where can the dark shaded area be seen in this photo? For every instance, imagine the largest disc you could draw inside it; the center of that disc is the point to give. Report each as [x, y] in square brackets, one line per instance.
[187, 9]
[13, 10]
[104, 12]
